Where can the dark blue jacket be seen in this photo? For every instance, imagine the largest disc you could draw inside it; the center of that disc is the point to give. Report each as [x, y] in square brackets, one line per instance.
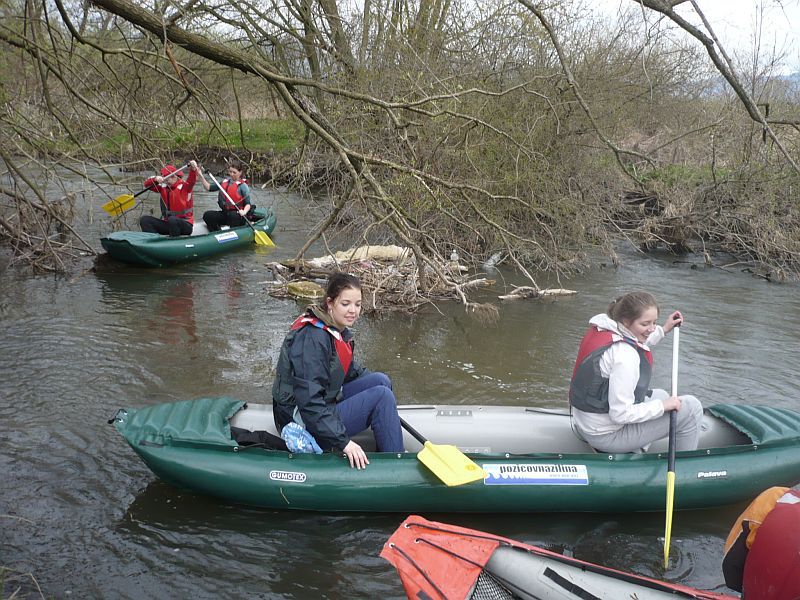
[310, 377]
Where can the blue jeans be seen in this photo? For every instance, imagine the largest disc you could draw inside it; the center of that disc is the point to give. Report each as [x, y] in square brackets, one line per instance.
[368, 401]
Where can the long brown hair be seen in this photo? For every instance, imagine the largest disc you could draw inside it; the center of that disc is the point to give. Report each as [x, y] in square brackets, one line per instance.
[630, 306]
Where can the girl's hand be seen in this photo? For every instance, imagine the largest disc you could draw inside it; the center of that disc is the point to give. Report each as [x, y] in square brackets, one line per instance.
[356, 456]
[672, 403]
[193, 165]
[673, 320]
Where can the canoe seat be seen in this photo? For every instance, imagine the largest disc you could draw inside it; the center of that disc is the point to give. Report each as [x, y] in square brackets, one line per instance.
[516, 430]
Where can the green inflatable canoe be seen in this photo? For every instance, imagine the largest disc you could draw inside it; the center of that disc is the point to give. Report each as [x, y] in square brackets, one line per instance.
[534, 462]
[154, 250]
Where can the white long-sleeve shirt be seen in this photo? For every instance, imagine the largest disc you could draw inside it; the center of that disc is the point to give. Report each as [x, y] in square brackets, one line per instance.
[620, 365]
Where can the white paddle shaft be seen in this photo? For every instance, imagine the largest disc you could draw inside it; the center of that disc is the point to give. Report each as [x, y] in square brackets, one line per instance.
[676, 335]
[176, 171]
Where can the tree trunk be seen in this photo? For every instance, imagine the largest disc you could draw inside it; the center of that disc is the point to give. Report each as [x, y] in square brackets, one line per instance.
[340, 41]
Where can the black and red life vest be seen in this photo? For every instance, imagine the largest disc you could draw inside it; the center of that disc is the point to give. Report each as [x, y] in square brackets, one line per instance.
[344, 350]
[338, 366]
[232, 188]
[588, 389]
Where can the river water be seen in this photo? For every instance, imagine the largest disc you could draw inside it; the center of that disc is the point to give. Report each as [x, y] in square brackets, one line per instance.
[82, 514]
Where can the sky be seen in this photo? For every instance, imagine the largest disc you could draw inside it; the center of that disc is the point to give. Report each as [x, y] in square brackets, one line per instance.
[734, 22]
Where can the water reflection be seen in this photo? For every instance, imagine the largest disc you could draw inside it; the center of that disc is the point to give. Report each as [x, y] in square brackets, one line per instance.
[293, 555]
[175, 319]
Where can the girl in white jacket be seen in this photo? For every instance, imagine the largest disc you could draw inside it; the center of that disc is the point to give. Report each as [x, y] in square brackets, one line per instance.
[612, 404]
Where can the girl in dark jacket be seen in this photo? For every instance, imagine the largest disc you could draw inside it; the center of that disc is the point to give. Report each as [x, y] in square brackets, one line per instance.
[236, 187]
[319, 382]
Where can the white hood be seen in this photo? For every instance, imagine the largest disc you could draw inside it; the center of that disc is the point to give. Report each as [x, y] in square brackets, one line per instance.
[605, 322]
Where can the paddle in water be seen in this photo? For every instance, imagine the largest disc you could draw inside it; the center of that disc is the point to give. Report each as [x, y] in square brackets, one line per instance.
[673, 417]
[447, 462]
[124, 203]
[261, 237]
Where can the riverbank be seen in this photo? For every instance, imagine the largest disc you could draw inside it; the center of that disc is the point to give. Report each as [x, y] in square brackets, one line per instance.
[679, 210]
[272, 149]
[271, 167]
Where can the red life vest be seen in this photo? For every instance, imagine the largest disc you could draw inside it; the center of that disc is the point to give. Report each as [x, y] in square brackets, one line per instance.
[588, 390]
[772, 567]
[176, 200]
[232, 188]
[180, 202]
[344, 350]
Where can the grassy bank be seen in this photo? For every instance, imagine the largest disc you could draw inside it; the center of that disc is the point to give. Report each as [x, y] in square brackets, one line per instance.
[258, 136]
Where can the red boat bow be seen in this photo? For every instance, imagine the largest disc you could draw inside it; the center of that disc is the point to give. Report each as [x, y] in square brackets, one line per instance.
[437, 560]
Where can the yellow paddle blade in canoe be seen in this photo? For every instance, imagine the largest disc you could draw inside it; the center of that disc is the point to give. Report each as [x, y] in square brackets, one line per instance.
[262, 239]
[449, 464]
[119, 205]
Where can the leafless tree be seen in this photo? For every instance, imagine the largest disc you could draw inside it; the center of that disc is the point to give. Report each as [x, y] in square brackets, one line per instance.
[534, 132]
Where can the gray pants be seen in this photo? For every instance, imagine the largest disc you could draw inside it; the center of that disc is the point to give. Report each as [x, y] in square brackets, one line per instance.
[634, 436]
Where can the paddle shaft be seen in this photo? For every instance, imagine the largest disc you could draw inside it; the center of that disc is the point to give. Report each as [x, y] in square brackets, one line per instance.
[229, 199]
[174, 172]
[147, 189]
[140, 192]
[673, 415]
[676, 339]
[414, 433]
[673, 434]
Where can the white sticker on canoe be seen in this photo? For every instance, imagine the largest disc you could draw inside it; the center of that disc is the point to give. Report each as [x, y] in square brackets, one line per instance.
[539, 474]
[712, 474]
[227, 236]
[292, 476]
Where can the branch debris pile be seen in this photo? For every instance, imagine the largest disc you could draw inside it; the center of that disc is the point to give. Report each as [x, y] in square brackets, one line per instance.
[390, 276]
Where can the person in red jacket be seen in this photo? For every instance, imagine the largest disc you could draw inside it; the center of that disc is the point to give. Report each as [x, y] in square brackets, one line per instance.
[762, 552]
[177, 202]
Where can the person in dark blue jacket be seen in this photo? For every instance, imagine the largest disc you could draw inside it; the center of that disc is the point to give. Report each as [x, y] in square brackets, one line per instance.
[320, 385]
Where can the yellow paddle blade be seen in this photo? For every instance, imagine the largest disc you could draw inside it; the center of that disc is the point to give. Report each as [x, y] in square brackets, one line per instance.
[670, 501]
[262, 239]
[119, 205]
[449, 464]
